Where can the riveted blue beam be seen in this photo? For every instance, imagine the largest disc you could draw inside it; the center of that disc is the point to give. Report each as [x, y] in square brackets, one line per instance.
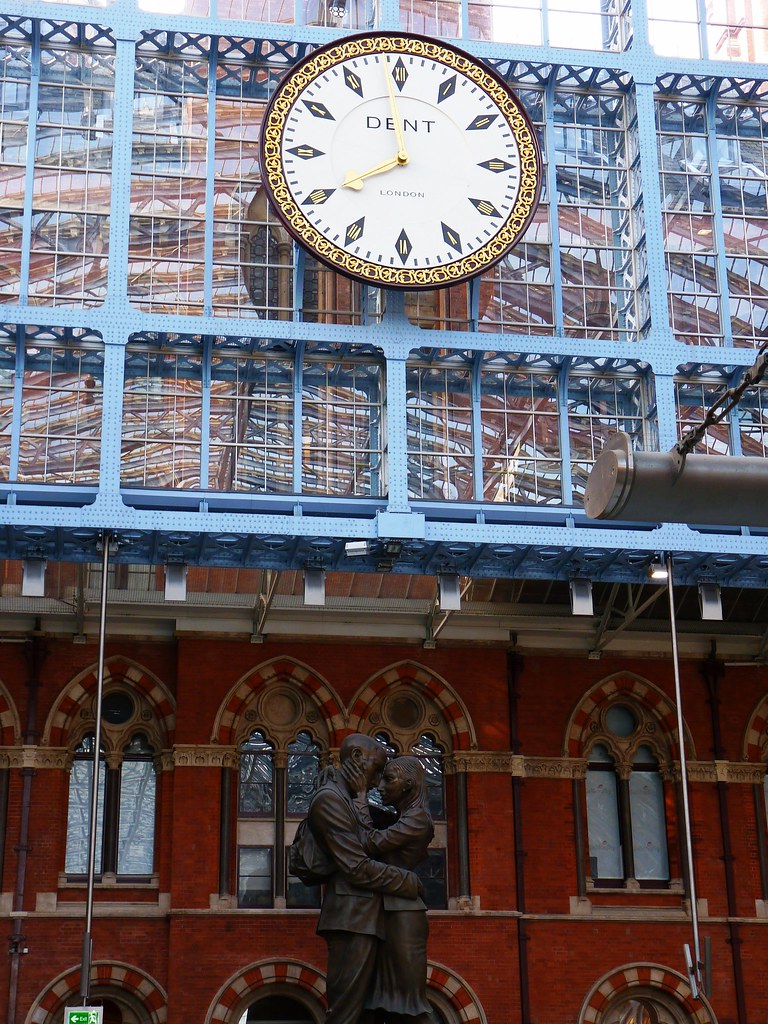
[397, 340]
[524, 552]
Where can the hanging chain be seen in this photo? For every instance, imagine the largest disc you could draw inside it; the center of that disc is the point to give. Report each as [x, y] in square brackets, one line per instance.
[723, 405]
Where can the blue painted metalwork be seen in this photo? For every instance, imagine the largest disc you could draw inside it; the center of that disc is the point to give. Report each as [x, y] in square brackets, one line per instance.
[46, 518]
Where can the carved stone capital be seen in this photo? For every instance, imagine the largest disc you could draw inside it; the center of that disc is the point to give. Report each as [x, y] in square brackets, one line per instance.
[163, 761]
[698, 771]
[30, 756]
[726, 771]
[748, 772]
[280, 758]
[501, 762]
[194, 756]
[49, 757]
[555, 767]
[504, 762]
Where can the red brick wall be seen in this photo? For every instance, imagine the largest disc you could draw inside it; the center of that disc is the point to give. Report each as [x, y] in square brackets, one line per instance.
[192, 952]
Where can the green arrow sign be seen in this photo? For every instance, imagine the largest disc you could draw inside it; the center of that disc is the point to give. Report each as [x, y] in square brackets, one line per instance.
[83, 1015]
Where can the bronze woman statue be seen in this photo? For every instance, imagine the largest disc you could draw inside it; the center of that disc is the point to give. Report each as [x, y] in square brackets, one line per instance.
[398, 991]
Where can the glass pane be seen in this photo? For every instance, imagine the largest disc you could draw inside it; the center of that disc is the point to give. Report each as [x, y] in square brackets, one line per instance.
[431, 757]
[433, 877]
[440, 433]
[61, 414]
[136, 830]
[162, 411]
[603, 825]
[520, 437]
[254, 876]
[649, 836]
[303, 766]
[78, 816]
[256, 777]
[341, 435]
[251, 422]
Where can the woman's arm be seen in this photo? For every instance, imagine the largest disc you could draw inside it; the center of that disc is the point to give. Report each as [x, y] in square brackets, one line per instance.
[412, 829]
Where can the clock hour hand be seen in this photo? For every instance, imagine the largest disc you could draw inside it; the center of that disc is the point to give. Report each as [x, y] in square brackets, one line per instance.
[402, 155]
[354, 179]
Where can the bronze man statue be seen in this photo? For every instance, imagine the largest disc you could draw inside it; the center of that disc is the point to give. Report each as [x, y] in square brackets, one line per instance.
[352, 918]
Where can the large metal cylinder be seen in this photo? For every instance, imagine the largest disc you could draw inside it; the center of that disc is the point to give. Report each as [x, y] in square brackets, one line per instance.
[662, 487]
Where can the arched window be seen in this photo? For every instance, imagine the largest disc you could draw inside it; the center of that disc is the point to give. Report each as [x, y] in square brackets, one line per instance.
[626, 816]
[125, 823]
[644, 1008]
[276, 784]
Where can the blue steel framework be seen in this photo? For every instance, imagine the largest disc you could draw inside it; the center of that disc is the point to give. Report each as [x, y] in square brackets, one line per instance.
[626, 306]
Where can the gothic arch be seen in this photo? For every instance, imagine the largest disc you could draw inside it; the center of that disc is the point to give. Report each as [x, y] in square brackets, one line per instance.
[451, 709]
[456, 993]
[755, 743]
[229, 726]
[240, 989]
[648, 976]
[63, 717]
[105, 976]
[10, 725]
[636, 689]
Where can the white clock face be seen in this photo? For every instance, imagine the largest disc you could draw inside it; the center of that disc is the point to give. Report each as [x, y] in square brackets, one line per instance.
[400, 160]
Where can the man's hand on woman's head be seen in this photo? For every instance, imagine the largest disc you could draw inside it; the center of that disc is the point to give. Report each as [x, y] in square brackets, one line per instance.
[354, 774]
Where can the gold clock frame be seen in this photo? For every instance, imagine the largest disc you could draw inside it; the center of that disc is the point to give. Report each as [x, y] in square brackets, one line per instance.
[294, 219]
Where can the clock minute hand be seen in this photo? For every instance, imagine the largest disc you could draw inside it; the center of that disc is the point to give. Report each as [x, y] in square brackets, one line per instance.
[402, 155]
[354, 179]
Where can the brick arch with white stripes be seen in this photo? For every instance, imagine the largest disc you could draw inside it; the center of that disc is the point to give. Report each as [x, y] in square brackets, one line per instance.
[434, 688]
[615, 686]
[279, 670]
[646, 976]
[116, 669]
[10, 725]
[252, 980]
[64, 991]
[755, 746]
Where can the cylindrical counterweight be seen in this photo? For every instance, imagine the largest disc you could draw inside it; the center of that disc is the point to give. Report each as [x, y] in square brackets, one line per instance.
[662, 487]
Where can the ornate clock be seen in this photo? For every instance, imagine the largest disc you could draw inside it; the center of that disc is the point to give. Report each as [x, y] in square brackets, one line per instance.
[400, 160]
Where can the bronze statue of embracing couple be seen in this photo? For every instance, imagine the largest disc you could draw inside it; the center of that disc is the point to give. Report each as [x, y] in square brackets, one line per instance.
[373, 917]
